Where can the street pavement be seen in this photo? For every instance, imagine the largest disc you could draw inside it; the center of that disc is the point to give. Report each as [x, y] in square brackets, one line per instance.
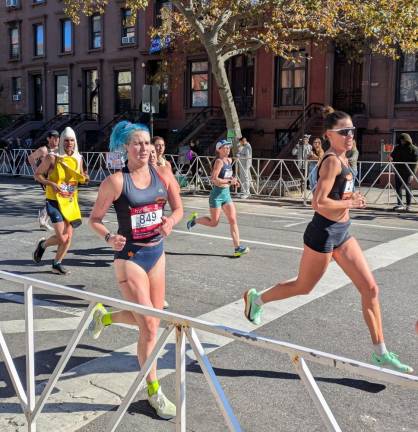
[203, 280]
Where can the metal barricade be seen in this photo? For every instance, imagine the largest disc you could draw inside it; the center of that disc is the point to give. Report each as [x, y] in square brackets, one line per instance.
[184, 328]
[269, 178]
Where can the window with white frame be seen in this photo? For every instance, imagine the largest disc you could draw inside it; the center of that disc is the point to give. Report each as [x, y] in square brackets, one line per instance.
[66, 36]
[199, 83]
[128, 27]
[14, 52]
[95, 31]
[62, 94]
[408, 78]
[290, 80]
[16, 89]
[39, 40]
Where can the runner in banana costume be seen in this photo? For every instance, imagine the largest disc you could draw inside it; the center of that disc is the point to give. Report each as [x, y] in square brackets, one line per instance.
[61, 174]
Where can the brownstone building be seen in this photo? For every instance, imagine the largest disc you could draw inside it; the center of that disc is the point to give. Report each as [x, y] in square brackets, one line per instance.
[91, 75]
[58, 72]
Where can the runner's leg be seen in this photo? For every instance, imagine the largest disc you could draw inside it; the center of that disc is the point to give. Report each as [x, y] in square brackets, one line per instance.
[311, 268]
[64, 233]
[231, 215]
[135, 287]
[350, 258]
[213, 220]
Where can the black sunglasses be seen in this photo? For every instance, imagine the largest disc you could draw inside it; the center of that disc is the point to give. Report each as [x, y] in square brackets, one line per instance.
[345, 131]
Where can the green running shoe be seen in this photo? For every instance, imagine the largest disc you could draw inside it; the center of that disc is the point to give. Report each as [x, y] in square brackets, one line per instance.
[241, 250]
[96, 325]
[391, 360]
[162, 405]
[192, 221]
[252, 311]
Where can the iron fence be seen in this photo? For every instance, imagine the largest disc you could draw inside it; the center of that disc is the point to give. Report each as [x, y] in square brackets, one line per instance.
[271, 178]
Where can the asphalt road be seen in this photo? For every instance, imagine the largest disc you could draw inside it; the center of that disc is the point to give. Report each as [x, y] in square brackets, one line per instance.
[203, 280]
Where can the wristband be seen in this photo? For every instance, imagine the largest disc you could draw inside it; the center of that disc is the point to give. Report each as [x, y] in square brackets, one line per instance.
[107, 237]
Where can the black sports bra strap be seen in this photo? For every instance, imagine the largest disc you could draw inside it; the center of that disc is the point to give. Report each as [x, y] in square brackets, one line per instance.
[325, 157]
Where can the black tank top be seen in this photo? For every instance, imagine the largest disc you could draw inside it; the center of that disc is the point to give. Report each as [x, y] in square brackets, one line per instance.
[343, 186]
[139, 211]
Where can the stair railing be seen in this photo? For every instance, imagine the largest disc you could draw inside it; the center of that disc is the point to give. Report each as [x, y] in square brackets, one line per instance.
[296, 129]
[202, 116]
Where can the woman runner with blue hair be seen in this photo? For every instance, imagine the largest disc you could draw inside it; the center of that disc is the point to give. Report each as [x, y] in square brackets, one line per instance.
[138, 193]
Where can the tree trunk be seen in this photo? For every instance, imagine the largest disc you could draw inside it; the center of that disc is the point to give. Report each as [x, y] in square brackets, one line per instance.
[227, 100]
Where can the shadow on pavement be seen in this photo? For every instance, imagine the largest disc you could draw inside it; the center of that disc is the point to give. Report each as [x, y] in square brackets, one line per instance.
[67, 262]
[358, 384]
[45, 362]
[59, 300]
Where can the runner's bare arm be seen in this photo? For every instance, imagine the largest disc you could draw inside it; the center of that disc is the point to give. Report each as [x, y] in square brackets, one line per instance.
[109, 191]
[84, 171]
[39, 153]
[175, 202]
[330, 168]
[41, 172]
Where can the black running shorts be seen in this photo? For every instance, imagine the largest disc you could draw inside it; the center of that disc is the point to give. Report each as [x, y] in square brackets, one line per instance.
[324, 235]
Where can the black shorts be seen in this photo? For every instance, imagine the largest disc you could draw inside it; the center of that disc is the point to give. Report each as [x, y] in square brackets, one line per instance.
[324, 235]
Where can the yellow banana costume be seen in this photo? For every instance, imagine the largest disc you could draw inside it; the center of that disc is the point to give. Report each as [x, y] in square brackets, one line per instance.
[66, 174]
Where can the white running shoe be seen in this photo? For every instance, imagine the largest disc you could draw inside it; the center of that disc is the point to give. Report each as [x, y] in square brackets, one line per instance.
[162, 405]
[47, 226]
[43, 220]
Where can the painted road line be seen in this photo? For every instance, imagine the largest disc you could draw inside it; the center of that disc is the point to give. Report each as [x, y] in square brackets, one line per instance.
[93, 388]
[389, 227]
[15, 297]
[287, 216]
[18, 326]
[242, 240]
[308, 214]
[296, 223]
[40, 325]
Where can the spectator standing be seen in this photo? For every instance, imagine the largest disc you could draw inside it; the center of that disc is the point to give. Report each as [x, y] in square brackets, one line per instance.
[314, 159]
[183, 161]
[192, 153]
[352, 156]
[405, 151]
[303, 150]
[159, 144]
[245, 162]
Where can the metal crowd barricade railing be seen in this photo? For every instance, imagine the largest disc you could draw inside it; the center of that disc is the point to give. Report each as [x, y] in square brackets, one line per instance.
[184, 328]
[269, 178]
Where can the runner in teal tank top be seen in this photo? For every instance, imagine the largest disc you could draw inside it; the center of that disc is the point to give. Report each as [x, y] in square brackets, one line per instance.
[220, 197]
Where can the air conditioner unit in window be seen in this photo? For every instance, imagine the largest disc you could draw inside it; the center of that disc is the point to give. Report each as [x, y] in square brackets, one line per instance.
[16, 97]
[12, 3]
[128, 40]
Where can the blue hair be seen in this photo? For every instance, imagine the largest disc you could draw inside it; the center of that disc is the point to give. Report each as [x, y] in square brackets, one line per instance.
[121, 134]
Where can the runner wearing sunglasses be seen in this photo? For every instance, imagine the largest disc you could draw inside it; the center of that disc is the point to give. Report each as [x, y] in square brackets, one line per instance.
[327, 237]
